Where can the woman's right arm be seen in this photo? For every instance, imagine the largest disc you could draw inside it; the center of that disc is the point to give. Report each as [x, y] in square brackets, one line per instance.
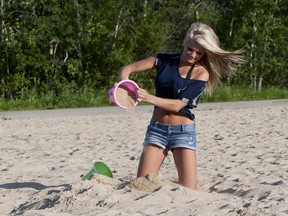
[139, 66]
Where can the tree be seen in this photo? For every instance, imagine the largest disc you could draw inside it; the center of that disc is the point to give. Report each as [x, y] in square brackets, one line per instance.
[48, 46]
[260, 30]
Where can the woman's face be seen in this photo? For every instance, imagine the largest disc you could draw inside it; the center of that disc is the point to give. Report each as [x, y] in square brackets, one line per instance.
[192, 52]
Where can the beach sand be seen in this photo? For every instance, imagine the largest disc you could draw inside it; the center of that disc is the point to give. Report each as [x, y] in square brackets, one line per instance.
[242, 162]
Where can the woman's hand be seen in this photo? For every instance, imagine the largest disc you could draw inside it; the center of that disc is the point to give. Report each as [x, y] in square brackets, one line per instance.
[143, 95]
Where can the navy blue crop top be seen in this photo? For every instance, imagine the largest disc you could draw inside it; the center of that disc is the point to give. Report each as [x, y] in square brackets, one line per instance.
[169, 83]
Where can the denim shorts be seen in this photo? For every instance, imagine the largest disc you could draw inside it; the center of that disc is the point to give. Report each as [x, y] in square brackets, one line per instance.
[169, 136]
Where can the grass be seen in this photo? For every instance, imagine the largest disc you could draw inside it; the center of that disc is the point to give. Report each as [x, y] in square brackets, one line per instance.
[64, 100]
[98, 98]
[237, 93]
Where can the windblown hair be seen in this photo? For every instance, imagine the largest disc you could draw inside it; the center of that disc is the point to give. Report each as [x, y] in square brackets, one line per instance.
[218, 62]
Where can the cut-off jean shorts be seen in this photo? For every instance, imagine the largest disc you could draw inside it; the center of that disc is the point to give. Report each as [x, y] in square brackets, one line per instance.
[169, 136]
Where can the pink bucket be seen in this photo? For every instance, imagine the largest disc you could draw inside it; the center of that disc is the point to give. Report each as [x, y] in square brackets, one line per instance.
[127, 86]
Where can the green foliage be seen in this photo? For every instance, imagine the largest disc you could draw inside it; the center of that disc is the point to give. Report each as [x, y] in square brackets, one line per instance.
[243, 93]
[49, 46]
[261, 31]
[70, 97]
[89, 97]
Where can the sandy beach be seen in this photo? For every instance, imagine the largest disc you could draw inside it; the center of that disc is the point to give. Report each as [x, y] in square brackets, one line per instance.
[242, 150]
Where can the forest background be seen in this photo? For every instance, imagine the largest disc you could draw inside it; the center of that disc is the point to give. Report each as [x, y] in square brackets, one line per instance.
[66, 53]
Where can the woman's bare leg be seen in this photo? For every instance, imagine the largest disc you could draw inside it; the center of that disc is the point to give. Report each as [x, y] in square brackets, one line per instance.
[186, 163]
[151, 159]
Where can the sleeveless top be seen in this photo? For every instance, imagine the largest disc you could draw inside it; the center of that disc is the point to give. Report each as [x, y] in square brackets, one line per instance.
[169, 83]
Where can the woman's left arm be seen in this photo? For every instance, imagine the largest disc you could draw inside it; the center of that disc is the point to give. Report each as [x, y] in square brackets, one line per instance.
[167, 104]
[189, 96]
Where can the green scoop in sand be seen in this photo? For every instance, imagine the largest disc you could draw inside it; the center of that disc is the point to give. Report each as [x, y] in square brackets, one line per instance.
[99, 168]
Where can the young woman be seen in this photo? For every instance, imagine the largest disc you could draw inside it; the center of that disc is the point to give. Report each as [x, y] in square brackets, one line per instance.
[180, 80]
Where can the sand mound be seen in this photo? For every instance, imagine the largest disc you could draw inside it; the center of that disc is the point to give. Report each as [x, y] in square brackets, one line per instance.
[149, 183]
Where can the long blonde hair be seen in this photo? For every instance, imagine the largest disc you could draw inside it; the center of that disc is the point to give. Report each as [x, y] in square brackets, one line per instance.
[218, 62]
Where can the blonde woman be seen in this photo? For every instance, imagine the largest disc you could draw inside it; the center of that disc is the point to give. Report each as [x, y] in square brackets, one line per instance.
[179, 82]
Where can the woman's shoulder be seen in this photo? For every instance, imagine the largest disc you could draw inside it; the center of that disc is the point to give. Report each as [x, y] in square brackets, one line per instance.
[200, 73]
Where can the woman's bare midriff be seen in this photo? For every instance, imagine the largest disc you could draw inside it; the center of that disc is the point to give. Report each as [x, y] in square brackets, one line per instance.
[168, 117]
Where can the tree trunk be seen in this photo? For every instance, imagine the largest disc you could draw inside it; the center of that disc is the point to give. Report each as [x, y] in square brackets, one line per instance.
[78, 46]
[197, 16]
[254, 83]
[260, 83]
[117, 26]
[231, 27]
[2, 21]
[2, 41]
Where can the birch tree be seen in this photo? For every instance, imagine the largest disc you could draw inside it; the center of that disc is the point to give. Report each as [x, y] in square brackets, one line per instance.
[260, 29]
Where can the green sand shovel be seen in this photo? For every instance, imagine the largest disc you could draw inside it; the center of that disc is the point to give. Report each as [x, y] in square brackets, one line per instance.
[99, 168]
